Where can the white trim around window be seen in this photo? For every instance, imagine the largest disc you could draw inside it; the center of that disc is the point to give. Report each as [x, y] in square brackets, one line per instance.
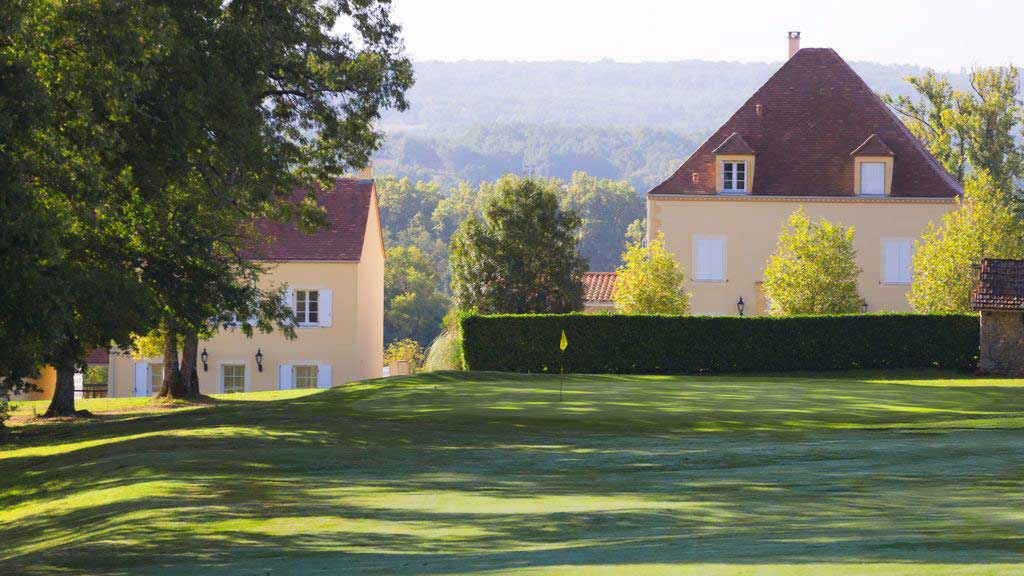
[734, 176]
[709, 258]
[897, 261]
[228, 369]
[313, 306]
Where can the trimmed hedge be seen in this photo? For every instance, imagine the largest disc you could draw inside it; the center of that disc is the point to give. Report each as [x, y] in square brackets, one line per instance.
[618, 344]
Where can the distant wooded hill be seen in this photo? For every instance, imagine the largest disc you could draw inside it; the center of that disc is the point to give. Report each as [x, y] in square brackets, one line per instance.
[475, 121]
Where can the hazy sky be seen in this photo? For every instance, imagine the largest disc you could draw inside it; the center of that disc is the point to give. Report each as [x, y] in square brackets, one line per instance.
[940, 33]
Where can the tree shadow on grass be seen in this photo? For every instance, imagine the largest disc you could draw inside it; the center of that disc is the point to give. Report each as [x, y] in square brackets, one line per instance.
[303, 484]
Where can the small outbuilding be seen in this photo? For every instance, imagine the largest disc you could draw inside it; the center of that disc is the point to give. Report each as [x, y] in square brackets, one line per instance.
[999, 296]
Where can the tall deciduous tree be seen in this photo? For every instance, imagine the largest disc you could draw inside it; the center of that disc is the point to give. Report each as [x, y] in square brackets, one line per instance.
[226, 108]
[982, 226]
[976, 130]
[650, 281]
[814, 269]
[606, 208]
[522, 256]
[413, 306]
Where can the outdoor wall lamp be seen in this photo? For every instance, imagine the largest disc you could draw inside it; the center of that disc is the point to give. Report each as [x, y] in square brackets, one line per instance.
[863, 306]
[205, 356]
[259, 360]
[740, 305]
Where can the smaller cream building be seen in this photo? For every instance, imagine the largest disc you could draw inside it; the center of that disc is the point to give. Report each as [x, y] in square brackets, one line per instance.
[335, 285]
[813, 136]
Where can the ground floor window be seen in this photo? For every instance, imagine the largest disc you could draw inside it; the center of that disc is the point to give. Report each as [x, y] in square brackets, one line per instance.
[305, 376]
[232, 378]
[94, 381]
[156, 377]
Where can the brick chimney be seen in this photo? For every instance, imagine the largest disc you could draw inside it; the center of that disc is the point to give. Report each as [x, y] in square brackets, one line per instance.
[794, 42]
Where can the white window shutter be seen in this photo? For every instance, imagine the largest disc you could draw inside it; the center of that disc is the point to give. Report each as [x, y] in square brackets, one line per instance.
[141, 379]
[872, 178]
[891, 261]
[326, 301]
[323, 376]
[717, 255]
[284, 381]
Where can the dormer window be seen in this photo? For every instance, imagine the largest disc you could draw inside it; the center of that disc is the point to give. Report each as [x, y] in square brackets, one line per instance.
[872, 178]
[734, 176]
[872, 168]
[734, 161]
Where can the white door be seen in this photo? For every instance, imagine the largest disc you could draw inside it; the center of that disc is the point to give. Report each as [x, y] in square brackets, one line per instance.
[142, 379]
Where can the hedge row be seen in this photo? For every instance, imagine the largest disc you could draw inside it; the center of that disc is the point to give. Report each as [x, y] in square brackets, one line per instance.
[614, 344]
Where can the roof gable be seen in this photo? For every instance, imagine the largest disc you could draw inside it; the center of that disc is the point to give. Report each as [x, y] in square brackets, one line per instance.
[803, 123]
[1000, 285]
[347, 205]
[873, 146]
[734, 144]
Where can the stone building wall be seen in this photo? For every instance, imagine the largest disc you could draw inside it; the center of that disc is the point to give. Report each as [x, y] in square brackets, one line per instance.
[1002, 343]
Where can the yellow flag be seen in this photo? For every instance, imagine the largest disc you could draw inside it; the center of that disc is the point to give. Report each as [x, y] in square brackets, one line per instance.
[564, 343]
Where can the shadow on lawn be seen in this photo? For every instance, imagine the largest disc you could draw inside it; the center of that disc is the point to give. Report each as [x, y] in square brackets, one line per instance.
[300, 483]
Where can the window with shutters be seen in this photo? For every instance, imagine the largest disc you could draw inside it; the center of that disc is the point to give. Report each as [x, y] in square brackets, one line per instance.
[232, 378]
[897, 254]
[304, 376]
[709, 258]
[872, 179]
[307, 307]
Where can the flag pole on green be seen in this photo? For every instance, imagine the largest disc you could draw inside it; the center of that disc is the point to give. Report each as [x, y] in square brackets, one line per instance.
[562, 345]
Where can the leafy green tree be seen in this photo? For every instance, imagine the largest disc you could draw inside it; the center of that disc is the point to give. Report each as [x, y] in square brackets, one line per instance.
[650, 281]
[606, 208]
[522, 256]
[225, 109]
[977, 129]
[405, 349]
[813, 270]
[462, 203]
[982, 226]
[402, 202]
[413, 305]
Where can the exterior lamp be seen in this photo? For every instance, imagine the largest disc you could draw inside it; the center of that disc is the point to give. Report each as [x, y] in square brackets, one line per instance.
[259, 360]
[205, 356]
[740, 305]
[863, 306]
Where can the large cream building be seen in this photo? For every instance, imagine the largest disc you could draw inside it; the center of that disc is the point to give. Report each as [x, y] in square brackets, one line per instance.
[335, 285]
[813, 136]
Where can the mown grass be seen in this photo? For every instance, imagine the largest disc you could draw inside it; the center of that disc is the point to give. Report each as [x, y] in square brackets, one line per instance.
[451, 473]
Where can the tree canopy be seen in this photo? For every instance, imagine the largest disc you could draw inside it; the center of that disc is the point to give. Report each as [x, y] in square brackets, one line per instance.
[813, 269]
[522, 255]
[982, 226]
[650, 281]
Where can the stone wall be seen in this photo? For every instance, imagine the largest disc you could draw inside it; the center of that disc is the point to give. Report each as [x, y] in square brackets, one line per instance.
[1002, 343]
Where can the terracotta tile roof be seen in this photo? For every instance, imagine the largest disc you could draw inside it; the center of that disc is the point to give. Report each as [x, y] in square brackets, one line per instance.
[598, 286]
[348, 207]
[873, 146]
[1000, 285]
[734, 144]
[97, 356]
[815, 110]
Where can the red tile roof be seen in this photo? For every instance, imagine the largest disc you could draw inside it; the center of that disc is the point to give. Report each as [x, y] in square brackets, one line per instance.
[873, 146]
[815, 110]
[734, 144]
[598, 286]
[97, 356]
[348, 208]
[1000, 285]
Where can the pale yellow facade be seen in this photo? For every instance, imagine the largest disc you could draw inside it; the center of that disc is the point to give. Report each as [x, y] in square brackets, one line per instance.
[747, 227]
[346, 347]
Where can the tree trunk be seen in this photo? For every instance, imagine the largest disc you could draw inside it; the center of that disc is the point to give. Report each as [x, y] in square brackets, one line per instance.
[172, 386]
[63, 402]
[189, 371]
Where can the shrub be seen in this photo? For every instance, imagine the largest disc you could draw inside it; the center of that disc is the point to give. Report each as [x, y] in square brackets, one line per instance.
[619, 344]
[445, 353]
[405, 349]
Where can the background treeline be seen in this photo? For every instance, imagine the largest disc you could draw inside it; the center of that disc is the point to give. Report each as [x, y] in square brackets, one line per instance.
[475, 121]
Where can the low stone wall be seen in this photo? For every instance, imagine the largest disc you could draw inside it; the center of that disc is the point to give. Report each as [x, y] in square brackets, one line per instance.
[1002, 343]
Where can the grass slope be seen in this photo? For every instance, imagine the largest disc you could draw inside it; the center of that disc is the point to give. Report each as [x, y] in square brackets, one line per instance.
[485, 473]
